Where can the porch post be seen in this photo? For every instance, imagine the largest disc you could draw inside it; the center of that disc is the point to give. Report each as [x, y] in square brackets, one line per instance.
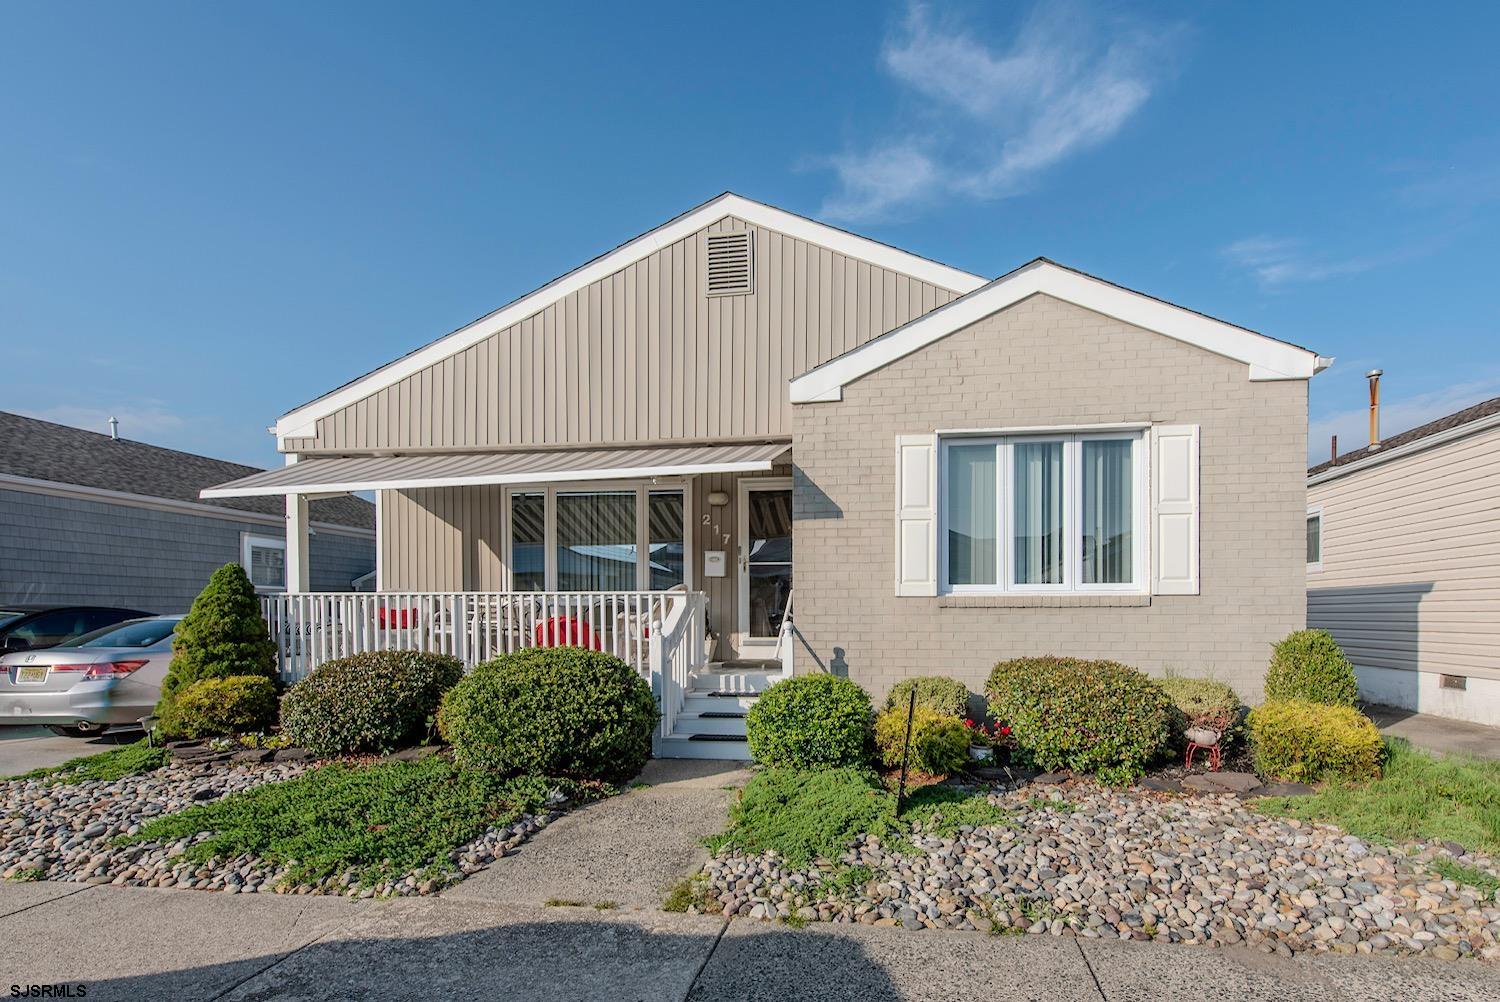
[297, 563]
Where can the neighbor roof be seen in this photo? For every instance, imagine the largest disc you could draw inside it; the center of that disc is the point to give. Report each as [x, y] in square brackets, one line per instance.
[1267, 357]
[41, 450]
[1431, 433]
[303, 420]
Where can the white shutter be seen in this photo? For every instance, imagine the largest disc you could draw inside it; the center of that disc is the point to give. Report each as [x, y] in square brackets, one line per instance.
[916, 514]
[1174, 507]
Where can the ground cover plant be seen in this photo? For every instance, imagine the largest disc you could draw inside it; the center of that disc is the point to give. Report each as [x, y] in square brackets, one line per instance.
[380, 821]
[804, 815]
[1418, 796]
[105, 766]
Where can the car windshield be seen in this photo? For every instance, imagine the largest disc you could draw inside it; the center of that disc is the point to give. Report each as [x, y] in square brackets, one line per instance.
[135, 633]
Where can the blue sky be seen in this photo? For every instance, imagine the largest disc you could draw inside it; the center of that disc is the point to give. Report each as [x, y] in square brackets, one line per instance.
[213, 213]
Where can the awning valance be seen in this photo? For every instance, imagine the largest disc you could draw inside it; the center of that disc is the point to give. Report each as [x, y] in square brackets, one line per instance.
[373, 473]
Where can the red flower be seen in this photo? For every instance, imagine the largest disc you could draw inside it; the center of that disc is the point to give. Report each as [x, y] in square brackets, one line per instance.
[968, 723]
[1005, 731]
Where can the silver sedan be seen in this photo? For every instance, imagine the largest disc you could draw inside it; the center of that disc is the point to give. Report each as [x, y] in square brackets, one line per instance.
[84, 686]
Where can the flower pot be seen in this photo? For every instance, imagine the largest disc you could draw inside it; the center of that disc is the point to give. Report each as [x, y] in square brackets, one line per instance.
[979, 753]
[1203, 737]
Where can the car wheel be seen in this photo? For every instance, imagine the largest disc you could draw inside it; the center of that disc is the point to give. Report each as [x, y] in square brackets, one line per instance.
[79, 731]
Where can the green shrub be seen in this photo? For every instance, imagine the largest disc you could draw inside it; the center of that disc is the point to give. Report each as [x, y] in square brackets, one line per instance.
[557, 711]
[1088, 716]
[211, 707]
[222, 636]
[1307, 742]
[939, 743]
[810, 721]
[1310, 665]
[368, 702]
[1201, 702]
[938, 693]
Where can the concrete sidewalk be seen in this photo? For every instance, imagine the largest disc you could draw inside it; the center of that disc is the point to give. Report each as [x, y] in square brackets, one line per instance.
[135, 943]
[1436, 734]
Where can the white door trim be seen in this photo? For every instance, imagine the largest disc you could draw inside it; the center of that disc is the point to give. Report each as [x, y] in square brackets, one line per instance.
[743, 642]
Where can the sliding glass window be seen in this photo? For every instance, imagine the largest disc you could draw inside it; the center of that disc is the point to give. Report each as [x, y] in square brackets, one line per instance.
[596, 541]
[666, 539]
[528, 541]
[631, 538]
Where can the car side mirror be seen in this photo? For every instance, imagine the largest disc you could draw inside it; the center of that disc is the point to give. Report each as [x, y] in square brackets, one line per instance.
[13, 644]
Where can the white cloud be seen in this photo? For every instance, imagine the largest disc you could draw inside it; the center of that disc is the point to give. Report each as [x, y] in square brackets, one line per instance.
[985, 120]
[1276, 261]
[1352, 426]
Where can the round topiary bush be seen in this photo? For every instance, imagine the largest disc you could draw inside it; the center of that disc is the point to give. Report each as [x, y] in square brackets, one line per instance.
[554, 711]
[810, 722]
[1088, 716]
[1308, 742]
[1310, 665]
[368, 702]
[939, 742]
[938, 693]
[212, 707]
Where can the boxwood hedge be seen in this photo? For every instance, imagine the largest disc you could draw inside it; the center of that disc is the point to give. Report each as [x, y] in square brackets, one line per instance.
[368, 702]
[811, 721]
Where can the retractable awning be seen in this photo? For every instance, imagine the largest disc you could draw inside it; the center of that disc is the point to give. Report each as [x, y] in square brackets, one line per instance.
[373, 473]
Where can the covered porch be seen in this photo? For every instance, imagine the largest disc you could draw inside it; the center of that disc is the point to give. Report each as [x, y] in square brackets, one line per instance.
[677, 560]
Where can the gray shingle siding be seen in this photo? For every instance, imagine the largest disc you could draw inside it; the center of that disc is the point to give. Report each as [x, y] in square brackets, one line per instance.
[61, 549]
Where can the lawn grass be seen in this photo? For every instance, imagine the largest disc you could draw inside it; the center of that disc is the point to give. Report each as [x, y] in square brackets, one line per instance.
[1418, 796]
[804, 815]
[1457, 872]
[379, 821]
[105, 766]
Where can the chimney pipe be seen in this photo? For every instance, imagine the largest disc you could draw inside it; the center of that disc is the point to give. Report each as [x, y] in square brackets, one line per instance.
[1374, 377]
[114, 428]
[1333, 449]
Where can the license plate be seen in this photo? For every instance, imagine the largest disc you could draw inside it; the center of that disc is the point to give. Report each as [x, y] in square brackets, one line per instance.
[32, 673]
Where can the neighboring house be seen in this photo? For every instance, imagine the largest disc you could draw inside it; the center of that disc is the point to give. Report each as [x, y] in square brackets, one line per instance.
[950, 470]
[92, 519]
[1403, 564]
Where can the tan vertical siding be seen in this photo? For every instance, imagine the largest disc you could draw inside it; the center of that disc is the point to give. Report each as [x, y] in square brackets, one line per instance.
[643, 355]
[1411, 547]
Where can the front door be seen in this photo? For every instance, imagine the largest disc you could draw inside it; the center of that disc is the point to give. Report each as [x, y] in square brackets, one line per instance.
[765, 562]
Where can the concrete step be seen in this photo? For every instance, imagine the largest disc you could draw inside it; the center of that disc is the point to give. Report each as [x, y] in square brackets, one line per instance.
[721, 748]
[708, 702]
[710, 722]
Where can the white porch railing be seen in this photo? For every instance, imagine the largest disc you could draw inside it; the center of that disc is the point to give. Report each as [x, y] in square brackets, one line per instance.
[648, 630]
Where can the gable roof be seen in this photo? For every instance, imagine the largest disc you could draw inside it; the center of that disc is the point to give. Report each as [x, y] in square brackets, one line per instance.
[301, 422]
[1267, 357]
[1456, 425]
[40, 450]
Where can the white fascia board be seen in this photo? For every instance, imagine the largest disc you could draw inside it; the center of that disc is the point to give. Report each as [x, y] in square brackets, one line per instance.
[1379, 456]
[482, 479]
[302, 422]
[1266, 357]
[150, 501]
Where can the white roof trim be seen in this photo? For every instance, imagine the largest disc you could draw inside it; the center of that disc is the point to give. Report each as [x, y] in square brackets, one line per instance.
[1267, 357]
[302, 422]
[1385, 455]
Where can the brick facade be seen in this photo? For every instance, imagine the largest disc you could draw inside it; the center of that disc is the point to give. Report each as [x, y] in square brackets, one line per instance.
[1044, 362]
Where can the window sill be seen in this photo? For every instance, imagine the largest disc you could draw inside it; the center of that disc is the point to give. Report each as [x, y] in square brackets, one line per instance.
[1042, 601]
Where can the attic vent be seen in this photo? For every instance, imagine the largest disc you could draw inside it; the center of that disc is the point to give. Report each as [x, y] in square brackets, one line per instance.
[729, 271]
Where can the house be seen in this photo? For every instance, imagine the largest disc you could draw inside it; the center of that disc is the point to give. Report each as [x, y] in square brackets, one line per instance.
[90, 518]
[746, 443]
[1402, 544]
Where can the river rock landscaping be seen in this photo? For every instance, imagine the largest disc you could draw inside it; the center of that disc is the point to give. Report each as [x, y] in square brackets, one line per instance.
[1080, 859]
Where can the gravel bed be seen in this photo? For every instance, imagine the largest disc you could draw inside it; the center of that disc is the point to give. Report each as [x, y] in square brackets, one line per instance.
[64, 832]
[1084, 860]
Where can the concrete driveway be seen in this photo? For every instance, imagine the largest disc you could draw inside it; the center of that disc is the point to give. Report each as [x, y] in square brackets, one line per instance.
[135, 943]
[25, 748]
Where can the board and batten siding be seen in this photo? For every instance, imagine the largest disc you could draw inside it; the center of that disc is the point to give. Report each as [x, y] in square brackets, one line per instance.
[643, 355]
[452, 539]
[1410, 578]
